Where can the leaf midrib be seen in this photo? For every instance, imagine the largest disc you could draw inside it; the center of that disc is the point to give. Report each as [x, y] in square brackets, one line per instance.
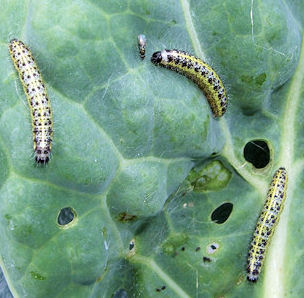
[275, 273]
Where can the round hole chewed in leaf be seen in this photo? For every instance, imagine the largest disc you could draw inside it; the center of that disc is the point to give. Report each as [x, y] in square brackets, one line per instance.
[257, 152]
[132, 248]
[67, 217]
[222, 213]
[131, 244]
[212, 248]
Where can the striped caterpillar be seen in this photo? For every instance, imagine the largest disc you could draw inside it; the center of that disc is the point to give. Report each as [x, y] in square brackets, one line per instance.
[199, 72]
[266, 224]
[34, 88]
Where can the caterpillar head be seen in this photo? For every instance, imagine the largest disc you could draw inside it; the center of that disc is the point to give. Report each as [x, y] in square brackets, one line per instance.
[156, 57]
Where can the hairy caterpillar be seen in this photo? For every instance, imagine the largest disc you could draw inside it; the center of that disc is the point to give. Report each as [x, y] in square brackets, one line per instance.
[199, 72]
[34, 88]
[266, 224]
[142, 41]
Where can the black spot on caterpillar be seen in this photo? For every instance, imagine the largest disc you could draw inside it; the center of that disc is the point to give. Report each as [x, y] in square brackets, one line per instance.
[39, 103]
[266, 223]
[199, 72]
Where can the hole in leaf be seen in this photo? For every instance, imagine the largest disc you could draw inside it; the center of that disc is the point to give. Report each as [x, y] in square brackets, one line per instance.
[257, 152]
[131, 244]
[212, 248]
[66, 217]
[132, 248]
[221, 213]
[206, 260]
[160, 289]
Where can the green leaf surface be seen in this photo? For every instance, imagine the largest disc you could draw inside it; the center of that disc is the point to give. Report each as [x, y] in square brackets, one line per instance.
[162, 198]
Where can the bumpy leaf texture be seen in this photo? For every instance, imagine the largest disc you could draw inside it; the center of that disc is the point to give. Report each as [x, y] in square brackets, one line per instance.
[146, 193]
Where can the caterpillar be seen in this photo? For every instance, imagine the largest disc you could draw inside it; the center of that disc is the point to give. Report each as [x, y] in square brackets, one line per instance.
[266, 223]
[142, 41]
[39, 103]
[199, 72]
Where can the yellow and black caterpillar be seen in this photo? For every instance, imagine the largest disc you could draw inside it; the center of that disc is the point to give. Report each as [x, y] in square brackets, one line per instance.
[266, 224]
[38, 100]
[199, 72]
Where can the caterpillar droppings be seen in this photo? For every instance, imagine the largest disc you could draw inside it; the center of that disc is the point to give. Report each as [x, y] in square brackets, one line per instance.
[142, 42]
[39, 103]
[266, 223]
[199, 72]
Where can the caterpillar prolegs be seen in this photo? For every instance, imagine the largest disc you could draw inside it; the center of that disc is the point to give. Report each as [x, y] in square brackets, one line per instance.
[39, 103]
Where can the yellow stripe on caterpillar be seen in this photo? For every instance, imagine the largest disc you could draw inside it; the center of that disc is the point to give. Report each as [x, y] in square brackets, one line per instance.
[39, 103]
[199, 72]
[266, 224]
